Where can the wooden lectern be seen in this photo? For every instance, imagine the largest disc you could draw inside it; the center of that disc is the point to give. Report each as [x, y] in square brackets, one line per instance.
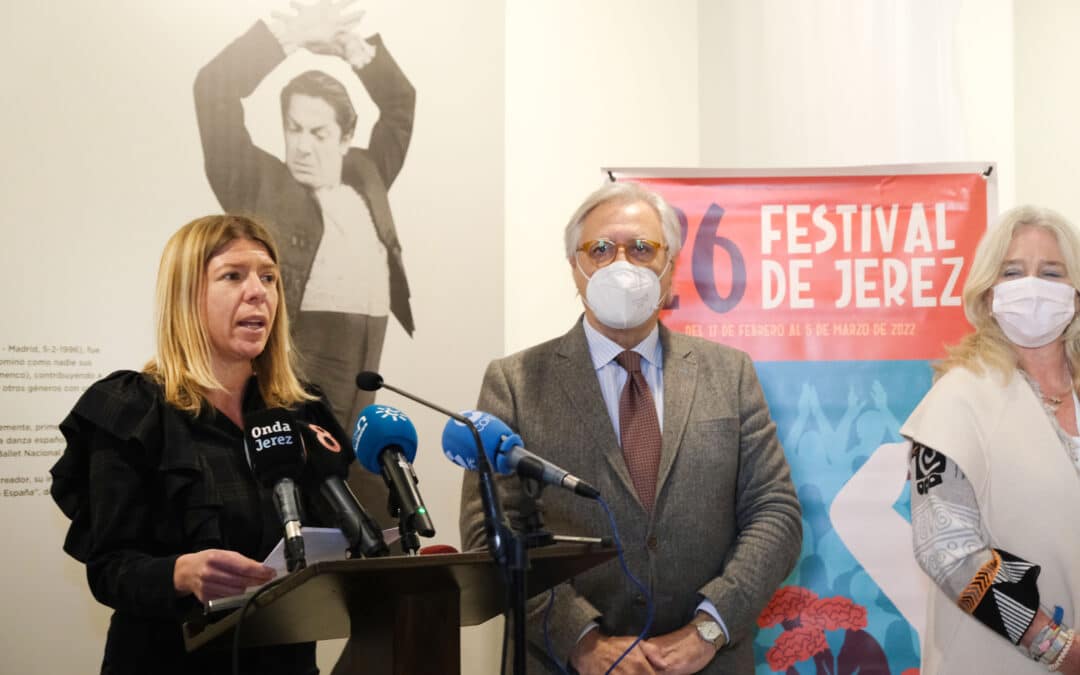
[403, 613]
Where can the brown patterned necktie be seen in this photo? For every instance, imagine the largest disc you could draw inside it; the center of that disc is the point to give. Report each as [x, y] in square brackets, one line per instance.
[639, 429]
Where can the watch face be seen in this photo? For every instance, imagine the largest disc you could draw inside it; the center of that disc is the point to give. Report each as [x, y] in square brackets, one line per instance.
[709, 630]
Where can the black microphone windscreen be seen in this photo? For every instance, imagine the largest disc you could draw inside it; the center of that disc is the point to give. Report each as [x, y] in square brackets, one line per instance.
[273, 446]
[369, 381]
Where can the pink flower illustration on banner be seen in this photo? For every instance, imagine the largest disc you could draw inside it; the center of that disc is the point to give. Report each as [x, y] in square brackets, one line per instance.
[787, 604]
[798, 644]
[835, 614]
[805, 618]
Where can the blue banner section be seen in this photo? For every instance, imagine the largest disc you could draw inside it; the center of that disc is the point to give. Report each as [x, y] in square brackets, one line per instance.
[850, 605]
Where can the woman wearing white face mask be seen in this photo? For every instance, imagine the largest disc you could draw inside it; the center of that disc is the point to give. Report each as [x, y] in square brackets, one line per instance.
[995, 466]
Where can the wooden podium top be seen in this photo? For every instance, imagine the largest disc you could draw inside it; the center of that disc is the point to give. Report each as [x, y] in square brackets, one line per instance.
[324, 600]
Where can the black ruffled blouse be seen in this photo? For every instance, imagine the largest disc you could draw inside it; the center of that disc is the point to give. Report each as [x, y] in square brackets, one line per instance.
[144, 483]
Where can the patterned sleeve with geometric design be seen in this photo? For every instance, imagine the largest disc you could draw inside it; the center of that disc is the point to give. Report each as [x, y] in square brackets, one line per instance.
[951, 545]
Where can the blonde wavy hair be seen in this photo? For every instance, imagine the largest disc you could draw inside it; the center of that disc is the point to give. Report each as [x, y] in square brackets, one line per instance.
[182, 365]
[987, 346]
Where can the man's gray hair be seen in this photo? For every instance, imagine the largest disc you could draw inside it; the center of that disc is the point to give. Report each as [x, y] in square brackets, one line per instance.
[626, 193]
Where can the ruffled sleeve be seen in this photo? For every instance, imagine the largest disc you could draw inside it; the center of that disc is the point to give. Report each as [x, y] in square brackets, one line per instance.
[121, 406]
[136, 493]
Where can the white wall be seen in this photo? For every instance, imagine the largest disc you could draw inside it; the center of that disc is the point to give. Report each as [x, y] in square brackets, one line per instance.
[846, 82]
[588, 84]
[1047, 100]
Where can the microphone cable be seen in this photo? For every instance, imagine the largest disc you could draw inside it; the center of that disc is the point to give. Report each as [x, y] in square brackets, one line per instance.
[243, 612]
[649, 608]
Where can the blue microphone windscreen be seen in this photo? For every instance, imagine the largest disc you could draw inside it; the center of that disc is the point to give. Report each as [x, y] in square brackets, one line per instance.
[458, 444]
[460, 447]
[378, 427]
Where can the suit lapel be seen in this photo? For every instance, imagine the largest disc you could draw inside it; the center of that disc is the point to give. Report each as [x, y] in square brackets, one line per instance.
[581, 388]
[680, 383]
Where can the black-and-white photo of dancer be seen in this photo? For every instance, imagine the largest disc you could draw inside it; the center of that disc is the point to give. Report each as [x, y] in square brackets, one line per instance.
[327, 203]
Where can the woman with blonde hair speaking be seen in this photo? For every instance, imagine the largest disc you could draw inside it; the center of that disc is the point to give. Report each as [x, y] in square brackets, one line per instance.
[166, 513]
[995, 474]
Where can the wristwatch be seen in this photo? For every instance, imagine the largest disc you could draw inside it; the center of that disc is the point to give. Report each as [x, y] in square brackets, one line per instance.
[710, 631]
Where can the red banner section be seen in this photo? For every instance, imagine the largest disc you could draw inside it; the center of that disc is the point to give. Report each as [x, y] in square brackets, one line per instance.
[825, 268]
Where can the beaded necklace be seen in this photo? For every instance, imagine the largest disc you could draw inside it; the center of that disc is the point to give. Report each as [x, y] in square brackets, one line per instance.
[1050, 404]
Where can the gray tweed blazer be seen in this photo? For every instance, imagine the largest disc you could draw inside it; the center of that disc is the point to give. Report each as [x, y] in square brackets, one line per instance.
[726, 524]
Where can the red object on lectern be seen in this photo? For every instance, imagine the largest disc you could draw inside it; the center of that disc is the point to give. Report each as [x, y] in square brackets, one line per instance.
[437, 549]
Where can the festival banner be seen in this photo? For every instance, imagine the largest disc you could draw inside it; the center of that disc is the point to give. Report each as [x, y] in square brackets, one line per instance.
[843, 285]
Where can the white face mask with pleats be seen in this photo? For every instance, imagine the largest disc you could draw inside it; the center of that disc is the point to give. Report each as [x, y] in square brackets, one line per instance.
[1033, 312]
[622, 295]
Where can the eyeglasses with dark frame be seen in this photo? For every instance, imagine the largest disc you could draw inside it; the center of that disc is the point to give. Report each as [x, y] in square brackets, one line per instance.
[602, 252]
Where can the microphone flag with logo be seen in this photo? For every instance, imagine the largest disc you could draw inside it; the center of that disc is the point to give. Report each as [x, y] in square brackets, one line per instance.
[384, 440]
[275, 454]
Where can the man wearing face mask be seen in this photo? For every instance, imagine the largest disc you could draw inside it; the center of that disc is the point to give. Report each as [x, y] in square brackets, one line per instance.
[675, 433]
[995, 465]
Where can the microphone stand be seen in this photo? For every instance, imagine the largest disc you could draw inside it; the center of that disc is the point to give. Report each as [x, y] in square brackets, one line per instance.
[410, 541]
[533, 520]
[506, 548]
[532, 517]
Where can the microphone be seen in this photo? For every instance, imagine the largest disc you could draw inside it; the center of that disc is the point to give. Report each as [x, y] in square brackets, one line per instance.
[497, 529]
[275, 454]
[505, 452]
[372, 381]
[329, 464]
[369, 381]
[385, 443]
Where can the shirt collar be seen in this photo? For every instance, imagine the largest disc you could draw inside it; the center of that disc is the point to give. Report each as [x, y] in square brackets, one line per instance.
[603, 349]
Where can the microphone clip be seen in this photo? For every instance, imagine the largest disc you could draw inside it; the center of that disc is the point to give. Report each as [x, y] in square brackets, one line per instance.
[532, 514]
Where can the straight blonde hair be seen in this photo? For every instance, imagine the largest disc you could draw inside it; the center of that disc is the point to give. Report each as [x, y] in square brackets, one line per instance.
[987, 346]
[182, 365]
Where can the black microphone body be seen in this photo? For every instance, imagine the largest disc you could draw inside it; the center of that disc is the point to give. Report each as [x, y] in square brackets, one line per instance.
[329, 460]
[360, 529]
[529, 465]
[401, 480]
[287, 503]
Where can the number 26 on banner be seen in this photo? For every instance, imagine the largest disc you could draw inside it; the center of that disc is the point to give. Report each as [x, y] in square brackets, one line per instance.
[703, 263]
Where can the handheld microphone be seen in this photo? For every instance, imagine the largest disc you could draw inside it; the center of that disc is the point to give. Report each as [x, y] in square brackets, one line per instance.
[329, 463]
[275, 454]
[385, 443]
[505, 452]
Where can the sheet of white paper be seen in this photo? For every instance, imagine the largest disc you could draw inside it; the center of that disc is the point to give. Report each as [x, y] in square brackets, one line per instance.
[321, 544]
